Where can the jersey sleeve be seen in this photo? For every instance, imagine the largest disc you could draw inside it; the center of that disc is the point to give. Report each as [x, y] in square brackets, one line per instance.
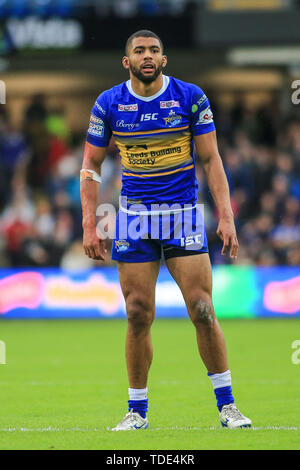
[99, 131]
[201, 113]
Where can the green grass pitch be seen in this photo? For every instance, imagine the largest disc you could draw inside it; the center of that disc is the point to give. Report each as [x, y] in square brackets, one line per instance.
[65, 384]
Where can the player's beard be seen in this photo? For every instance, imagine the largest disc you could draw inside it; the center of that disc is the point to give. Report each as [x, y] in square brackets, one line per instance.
[138, 73]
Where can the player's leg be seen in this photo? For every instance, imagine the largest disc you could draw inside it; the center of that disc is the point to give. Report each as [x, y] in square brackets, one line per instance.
[194, 277]
[138, 282]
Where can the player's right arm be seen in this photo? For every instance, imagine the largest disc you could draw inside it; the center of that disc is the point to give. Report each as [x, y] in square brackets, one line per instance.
[97, 140]
[93, 158]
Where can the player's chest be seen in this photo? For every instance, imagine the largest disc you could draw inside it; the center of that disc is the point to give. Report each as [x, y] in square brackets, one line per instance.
[139, 116]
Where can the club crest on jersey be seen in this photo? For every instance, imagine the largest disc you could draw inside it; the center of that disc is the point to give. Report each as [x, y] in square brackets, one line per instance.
[128, 107]
[169, 104]
[173, 119]
[121, 245]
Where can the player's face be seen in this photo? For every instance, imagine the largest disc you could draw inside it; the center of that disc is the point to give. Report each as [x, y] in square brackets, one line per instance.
[145, 59]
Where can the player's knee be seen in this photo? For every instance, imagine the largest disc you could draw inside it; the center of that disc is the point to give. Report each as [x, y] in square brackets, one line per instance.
[140, 314]
[202, 312]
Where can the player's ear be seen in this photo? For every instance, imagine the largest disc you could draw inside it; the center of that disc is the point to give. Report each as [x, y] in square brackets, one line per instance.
[125, 62]
[164, 60]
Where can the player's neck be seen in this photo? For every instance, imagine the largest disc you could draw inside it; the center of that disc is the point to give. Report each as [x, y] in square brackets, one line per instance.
[146, 89]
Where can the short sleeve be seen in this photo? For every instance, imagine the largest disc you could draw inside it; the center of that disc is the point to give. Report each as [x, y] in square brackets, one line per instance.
[202, 116]
[99, 131]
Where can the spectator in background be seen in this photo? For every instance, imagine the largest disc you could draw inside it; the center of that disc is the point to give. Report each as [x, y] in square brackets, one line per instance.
[17, 220]
[47, 148]
[56, 124]
[13, 151]
[36, 110]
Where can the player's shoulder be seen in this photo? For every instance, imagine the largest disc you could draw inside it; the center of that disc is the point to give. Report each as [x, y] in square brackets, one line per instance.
[112, 94]
[186, 87]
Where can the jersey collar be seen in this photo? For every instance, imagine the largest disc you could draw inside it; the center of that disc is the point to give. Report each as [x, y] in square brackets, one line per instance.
[166, 80]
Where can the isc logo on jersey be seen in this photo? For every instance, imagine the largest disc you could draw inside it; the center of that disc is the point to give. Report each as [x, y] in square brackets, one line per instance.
[127, 107]
[149, 117]
[205, 117]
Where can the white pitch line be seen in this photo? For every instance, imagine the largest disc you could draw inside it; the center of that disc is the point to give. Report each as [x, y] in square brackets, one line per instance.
[220, 429]
[165, 428]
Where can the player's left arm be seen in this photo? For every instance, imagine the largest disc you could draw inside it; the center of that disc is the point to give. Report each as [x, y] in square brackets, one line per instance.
[207, 149]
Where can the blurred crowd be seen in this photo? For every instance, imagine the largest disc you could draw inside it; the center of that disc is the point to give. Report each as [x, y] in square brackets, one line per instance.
[66, 8]
[124, 8]
[40, 210]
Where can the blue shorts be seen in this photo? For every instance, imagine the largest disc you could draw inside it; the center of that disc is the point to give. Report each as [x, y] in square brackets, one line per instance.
[141, 238]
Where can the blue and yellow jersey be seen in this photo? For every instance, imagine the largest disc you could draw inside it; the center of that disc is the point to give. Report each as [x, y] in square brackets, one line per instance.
[154, 136]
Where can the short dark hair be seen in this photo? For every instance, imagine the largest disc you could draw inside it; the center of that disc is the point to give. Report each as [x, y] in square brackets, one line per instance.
[143, 33]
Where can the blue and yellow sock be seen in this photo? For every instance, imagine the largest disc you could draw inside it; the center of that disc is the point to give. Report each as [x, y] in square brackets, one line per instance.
[138, 400]
[222, 387]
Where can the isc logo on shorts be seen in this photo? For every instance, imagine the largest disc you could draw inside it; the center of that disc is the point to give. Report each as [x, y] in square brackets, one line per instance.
[127, 107]
[195, 239]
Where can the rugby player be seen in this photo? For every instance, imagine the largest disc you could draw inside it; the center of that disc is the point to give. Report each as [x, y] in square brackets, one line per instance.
[156, 121]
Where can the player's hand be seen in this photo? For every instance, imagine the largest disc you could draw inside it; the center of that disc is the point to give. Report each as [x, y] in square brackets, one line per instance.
[94, 246]
[226, 231]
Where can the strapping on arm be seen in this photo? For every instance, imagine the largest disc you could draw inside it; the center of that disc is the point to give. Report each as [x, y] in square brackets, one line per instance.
[86, 174]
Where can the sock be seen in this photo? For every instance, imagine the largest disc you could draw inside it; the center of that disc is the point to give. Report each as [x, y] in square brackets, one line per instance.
[222, 388]
[138, 400]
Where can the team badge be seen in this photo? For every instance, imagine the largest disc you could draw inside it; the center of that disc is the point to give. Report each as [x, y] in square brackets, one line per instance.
[121, 245]
[173, 119]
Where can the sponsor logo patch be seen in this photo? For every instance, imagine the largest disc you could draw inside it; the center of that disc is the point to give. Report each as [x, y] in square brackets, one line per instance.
[205, 117]
[169, 104]
[96, 120]
[100, 108]
[195, 106]
[147, 157]
[128, 107]
[126, 125]
[201, 100]
[96, 129]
